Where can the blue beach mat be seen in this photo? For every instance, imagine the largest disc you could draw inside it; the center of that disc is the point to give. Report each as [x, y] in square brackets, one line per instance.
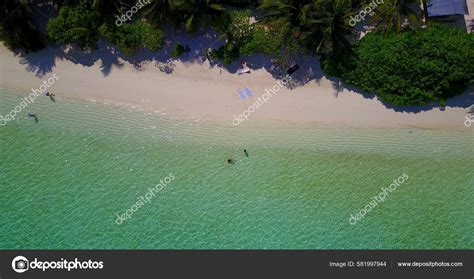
[249, 93]
[245, 93]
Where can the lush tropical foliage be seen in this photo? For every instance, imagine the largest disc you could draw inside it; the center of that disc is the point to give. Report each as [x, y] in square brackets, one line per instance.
[75, 25]
[133, 36]
[393, 15]
[413, 67]
[398, 60]
[17, 28]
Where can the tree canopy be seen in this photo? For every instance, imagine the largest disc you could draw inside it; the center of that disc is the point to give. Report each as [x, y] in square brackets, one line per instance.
[17, 28]
[413, 67]
[399, 61]
[133, 36]
[76, 24]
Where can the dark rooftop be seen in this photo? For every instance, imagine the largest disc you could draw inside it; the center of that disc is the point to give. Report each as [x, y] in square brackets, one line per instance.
[447, 7]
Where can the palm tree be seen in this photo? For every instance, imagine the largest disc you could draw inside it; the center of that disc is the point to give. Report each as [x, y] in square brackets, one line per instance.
[392, 15]
[325, 26]
[291, 12]
[202, 12]
[287, 9]
[162, 11]
[184, 13]
[109, 6]
[17, 28]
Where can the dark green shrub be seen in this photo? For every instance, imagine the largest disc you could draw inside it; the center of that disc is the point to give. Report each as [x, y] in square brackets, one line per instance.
[410, 68]
[131, 37]
[178, 50]
[75, 25]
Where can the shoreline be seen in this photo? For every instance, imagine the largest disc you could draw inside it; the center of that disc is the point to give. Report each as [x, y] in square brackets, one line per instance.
[211, 94]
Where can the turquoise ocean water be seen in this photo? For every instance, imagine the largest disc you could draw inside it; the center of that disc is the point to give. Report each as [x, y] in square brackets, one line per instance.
[64, 179]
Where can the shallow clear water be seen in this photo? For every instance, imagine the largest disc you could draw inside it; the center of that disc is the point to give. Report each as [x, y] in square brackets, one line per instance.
[64, 179]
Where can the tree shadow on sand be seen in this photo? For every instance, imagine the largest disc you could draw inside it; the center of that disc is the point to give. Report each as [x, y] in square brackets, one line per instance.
[197, 43]
[464, 100]
[43, 62]
[110, 56]
[309, 69]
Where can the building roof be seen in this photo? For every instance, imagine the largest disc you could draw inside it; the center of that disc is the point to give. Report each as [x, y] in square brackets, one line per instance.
[447, 7]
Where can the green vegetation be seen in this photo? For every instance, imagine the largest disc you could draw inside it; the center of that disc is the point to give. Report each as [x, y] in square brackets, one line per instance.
[178, 50]
[84, 25]
[413, 67]
[225, 54]
[391, 14]
[266, 38]
[17, 29]
[402, 63]
[236, 30]
[189, 14]
[77, 24]
[133, 36]
[325, 26]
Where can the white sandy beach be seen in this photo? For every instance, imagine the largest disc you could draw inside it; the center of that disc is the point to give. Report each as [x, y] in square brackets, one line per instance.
[211, 94]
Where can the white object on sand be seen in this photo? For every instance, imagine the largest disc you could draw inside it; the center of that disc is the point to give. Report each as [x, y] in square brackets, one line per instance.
[243, 70]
